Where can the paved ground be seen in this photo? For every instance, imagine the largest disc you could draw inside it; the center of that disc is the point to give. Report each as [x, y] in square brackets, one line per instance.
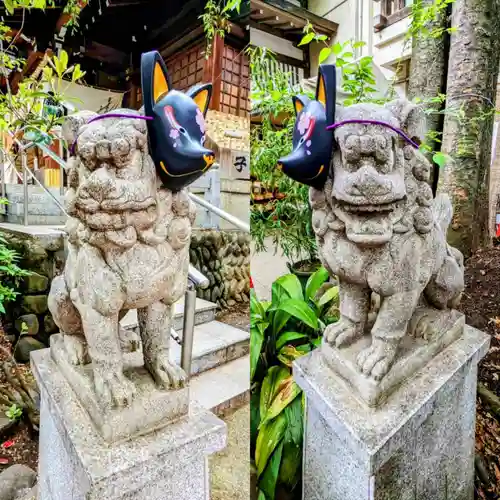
[230, 468]
[265, 267]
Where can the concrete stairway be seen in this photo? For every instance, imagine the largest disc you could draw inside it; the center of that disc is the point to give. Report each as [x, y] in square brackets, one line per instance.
[221, 365]
[41, 207]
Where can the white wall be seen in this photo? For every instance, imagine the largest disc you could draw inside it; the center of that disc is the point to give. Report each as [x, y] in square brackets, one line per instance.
[355, 20]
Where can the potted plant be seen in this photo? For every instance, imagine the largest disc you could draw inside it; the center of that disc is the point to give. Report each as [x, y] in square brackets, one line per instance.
[285, 219]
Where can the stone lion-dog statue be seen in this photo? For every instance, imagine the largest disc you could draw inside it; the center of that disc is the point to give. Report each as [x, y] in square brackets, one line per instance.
[381, 232]
[128, 248]
[378, 227]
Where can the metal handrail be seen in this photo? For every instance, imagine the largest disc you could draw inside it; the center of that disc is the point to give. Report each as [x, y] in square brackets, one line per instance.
[221, 213]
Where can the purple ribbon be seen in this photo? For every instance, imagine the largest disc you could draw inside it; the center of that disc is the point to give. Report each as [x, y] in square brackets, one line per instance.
[108, 115]
[375, 122]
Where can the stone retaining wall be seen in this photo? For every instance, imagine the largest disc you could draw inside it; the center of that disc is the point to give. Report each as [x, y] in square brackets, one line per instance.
[41, 253]
[224, 258]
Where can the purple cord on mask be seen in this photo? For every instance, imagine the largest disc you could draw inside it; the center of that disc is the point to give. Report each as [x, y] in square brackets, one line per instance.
[108, 115]
[375, 122]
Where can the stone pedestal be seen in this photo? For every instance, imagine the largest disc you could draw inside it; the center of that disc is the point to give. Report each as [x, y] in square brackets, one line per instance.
[76, 463]
[417, 445]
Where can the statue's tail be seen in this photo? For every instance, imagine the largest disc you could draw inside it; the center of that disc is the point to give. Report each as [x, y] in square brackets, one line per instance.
[443, 211]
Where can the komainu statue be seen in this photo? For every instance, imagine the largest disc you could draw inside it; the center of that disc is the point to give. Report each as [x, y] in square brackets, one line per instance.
[128, 238]
[381, 232]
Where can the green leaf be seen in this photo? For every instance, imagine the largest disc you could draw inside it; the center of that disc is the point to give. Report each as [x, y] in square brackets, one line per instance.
[321, 38]
[294, 415]
[324, 54]
[337, 48]
[357, 45]
[270, 477]
[439, 159]
[315, 281]
[261, 496]
[288, 390]
[289, 354]
[9, 5]
[286, 337]
[291, 285]
[308, 38]
[300, 310]
[254, 417]
[280, 319]
[270, 387]
[270, 436]
[291, 461]
[256, 341]
[331, 294]
[276, 95]
[63, 58]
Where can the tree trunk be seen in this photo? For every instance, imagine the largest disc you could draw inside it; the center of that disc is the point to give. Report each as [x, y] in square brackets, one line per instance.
[428, 71]
[468, 126]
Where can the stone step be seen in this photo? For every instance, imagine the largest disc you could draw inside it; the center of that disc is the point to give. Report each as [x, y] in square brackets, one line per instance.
[205, 312]
[223, 388]
[214, 344]
[48, 207]
[35, 220]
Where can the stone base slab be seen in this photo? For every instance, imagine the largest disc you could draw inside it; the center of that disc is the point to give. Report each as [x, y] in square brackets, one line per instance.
[443, 328]
[150, 409]
[76, 463]
[419, 445]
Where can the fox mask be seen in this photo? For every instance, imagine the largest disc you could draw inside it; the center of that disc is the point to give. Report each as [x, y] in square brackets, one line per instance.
[177, 131]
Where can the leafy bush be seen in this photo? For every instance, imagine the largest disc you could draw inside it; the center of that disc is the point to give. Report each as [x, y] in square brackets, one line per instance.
[286, 221]
[282, 330]
[10, 273]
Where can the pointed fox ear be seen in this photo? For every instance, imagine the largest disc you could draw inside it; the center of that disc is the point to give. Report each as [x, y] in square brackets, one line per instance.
[300, 102]
[161, 84]
[154, 79]
[326, 89]
[201, 95]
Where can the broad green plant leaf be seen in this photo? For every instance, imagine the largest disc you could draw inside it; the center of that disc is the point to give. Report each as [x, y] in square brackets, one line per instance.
[270, 476]
[270, 387]
[308, 38]
[331, 294]
[286, 337]
[324, 54]
[315, 281]
[256, 341]
[288, 390]
[289, 354]
[439, 159]
[294, 414]
[337, 48]
[301, 311]
[288, 285]
[270, 436]
[291, 460]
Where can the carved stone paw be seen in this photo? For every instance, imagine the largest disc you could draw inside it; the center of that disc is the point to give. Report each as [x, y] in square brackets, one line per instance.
[113, 389]
[343, 333]
[376, 360]
[165, 373]
[76, 348]
[129, 340]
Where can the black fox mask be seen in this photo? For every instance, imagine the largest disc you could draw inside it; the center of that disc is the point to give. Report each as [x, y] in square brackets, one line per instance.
[177, 131]
[309, 161]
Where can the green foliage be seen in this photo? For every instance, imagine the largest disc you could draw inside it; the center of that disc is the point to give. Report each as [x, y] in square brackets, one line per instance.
[14, 413]
[215, 20]
[10, 274]
[282, 330]
[287, 221]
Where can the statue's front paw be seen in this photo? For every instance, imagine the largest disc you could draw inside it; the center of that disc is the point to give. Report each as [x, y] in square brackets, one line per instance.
[76, 349]
[165, 373]
[113, 388]
[376, 360]
[343, 333]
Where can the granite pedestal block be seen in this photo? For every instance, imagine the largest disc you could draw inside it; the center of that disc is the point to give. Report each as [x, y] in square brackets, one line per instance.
[418, 445]
[76, 463]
